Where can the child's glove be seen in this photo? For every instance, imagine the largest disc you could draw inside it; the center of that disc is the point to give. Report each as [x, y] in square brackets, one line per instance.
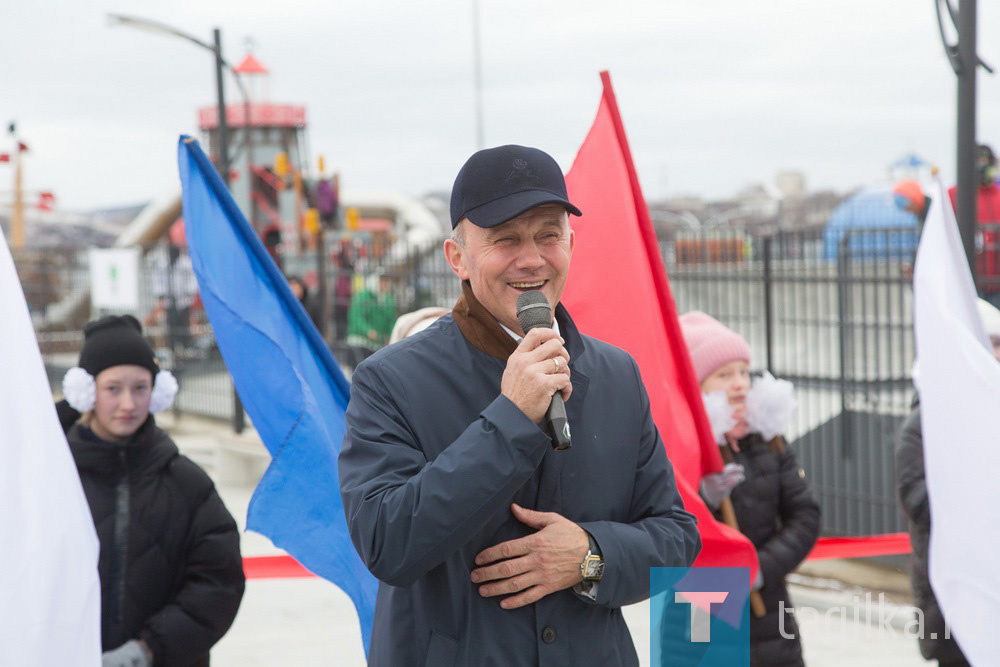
[716, 487]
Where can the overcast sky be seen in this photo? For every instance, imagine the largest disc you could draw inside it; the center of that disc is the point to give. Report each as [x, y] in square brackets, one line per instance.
[714, 94]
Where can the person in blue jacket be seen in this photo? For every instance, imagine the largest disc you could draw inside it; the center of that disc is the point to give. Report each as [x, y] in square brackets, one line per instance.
[491, 547]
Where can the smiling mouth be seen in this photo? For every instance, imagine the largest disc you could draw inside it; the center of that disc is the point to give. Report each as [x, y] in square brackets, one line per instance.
[538, 284]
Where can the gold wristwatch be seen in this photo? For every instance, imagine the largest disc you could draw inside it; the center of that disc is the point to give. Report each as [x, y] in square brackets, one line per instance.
[592, 567]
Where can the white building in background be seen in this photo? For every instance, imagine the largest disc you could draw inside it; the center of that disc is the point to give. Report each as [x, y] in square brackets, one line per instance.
[791, 183]
[758, 200]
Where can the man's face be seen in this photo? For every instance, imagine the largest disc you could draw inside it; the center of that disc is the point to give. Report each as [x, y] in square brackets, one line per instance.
[530, 252]
[121, 404]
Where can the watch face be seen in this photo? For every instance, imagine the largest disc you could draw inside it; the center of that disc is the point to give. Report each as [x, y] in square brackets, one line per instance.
[593, 567]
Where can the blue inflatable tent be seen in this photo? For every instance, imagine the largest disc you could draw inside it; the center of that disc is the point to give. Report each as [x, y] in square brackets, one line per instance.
[874, 228]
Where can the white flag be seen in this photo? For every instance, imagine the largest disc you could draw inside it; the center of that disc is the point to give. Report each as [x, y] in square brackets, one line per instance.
[959, 385]
[50, 595]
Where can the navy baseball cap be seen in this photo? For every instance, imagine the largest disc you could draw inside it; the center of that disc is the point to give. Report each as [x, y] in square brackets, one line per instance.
[498, 184]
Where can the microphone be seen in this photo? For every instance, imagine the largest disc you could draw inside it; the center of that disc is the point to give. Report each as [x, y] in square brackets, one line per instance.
[533, 311]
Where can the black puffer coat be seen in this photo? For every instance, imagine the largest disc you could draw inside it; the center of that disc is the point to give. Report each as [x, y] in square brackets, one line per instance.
[775, 508]
[911, 488]
[170, 566]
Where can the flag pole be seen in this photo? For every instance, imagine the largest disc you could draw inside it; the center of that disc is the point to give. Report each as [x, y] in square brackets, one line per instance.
[728, 513]
[729, 518]
[17, 214]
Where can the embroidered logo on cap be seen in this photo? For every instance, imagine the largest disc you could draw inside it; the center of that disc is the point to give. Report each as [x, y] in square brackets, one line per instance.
[520, 170]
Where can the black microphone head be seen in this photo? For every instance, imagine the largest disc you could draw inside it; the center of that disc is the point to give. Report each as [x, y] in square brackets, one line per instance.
[533, 310]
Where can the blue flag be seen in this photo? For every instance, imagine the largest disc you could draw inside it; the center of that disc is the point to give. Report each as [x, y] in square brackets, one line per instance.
[286, 377]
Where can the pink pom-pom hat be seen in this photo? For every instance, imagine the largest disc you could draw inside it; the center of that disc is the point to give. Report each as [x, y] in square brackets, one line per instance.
[711, 344]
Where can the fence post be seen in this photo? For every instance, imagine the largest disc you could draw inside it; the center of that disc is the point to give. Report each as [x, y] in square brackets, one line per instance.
[322, 282]
[842, 309]
[768, 305]
[239, 423]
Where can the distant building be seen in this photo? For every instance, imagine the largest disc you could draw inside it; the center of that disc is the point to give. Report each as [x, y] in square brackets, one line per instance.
[677, 213]
[757, 201]
[791, 184]
[691, 203]
[65, 229]
[757, 208]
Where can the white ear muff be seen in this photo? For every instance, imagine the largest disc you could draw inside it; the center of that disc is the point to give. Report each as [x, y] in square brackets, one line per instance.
[770, 406]
[79, 389]
[164, 391]
[720, 415]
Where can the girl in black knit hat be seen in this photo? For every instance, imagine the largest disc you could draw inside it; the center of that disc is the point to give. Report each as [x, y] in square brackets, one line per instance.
[118, 380]
[170, 565]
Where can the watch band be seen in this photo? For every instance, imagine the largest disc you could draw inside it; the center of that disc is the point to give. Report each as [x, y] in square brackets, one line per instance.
[594, 549]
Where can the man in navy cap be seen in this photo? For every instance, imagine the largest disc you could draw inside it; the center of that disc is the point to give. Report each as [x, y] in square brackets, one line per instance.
[491, 546]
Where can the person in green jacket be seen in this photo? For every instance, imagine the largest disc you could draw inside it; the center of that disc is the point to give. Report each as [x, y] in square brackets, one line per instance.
[372, 314]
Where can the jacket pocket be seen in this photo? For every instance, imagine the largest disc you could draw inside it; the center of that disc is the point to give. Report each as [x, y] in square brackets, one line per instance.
[441, 652]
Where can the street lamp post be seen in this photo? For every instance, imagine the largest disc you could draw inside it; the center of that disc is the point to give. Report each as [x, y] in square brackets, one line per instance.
[222, 159]
[478, 66]
[966, 136]
[965, 62]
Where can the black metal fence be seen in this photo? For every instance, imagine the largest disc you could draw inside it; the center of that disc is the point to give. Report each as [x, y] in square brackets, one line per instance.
[833, 315]
[58, 288]
[58, 285]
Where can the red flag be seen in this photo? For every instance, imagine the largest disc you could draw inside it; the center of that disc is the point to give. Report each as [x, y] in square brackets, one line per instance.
[4, 157]
[22, 148]
[618, 291]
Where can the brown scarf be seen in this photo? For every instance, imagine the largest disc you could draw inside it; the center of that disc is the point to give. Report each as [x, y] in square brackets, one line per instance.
[479, 327]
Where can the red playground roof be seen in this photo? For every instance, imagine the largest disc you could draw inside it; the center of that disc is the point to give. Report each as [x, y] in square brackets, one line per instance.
[261, 115]
[250, 65]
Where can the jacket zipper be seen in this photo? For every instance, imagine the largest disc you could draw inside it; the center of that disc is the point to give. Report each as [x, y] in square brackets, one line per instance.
[119, 549]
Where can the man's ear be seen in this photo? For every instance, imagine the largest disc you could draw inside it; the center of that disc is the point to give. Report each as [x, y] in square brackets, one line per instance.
[455, 254]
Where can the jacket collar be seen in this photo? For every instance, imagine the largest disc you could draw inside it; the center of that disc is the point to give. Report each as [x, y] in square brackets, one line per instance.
[484, 333]
[148, 449]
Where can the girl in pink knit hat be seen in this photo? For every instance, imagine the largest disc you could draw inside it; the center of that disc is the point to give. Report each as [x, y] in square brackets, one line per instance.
[770, 496]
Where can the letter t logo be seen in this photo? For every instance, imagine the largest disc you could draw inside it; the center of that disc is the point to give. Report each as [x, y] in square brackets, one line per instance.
[701, 618]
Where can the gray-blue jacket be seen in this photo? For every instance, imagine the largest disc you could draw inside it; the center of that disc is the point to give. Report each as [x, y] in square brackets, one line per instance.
[432, 459]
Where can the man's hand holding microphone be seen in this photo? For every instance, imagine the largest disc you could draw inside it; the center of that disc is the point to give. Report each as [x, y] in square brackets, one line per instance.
[537, 377]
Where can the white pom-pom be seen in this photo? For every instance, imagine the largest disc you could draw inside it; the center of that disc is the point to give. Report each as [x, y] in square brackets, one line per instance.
[164, 391]
[770, 405]
[720, 414]
[79, 389]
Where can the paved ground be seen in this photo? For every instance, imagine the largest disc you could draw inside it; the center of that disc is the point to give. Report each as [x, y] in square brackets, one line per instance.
[309, 622]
